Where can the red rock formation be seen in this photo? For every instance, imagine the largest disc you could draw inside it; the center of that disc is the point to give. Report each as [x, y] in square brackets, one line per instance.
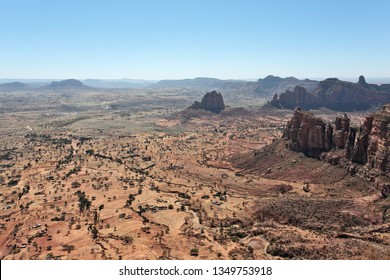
[211, 101]
[362, 141]
[291, 99]
[341, 131]
[378, 151]
[368, 144]
[308, 134]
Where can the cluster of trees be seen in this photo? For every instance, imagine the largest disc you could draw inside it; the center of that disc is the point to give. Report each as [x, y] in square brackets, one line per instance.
[130, 200]
[84, 202]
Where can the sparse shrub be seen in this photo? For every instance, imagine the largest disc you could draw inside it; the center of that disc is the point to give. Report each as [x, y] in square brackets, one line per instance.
[68, 248]
[127, 240]
[94, 232]
[194, 252]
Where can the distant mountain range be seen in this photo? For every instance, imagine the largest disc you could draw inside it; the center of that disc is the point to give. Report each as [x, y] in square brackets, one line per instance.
[287, 92]
[70, 83]
[121, 83]
[10, 84]
[199, 83]
[263, 87]
[65, 84]
[14, 86]
[274, 84]
[335, 94]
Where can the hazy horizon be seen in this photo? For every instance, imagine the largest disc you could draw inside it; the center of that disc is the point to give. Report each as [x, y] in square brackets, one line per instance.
[371, 80]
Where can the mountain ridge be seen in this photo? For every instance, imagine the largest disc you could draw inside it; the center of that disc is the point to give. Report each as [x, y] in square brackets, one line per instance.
[335, 94]
[14, 86]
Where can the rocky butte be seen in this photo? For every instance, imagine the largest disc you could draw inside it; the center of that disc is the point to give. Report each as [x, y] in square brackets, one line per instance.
[211, 101]
[342, 144]
[308, 134]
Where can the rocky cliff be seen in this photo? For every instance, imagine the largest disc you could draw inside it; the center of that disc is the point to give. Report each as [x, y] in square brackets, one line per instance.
[211, 101]
[308, 134]
[298, 97]
[368, 144]
[336, 95]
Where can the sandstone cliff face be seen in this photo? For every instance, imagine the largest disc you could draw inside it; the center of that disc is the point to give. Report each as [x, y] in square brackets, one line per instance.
[292, 99]
[378, 152]
[211, 101]
[336, 95]
[368, 144]
[308, 134]
[341, 131]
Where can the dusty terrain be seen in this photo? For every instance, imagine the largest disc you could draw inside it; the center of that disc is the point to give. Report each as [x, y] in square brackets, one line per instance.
[128, 175]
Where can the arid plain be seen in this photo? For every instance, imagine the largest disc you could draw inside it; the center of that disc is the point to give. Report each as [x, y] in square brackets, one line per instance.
[133, 174]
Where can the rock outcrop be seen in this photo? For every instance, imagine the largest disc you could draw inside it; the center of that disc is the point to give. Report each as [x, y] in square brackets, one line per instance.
[211, 101]
[378, 151]
[336, 95]
[341, 131]
[368, 144]
[308, 134]
[362, 81]
[291, 99]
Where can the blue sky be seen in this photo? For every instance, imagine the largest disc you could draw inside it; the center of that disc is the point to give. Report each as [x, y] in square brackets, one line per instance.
[171, 39]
